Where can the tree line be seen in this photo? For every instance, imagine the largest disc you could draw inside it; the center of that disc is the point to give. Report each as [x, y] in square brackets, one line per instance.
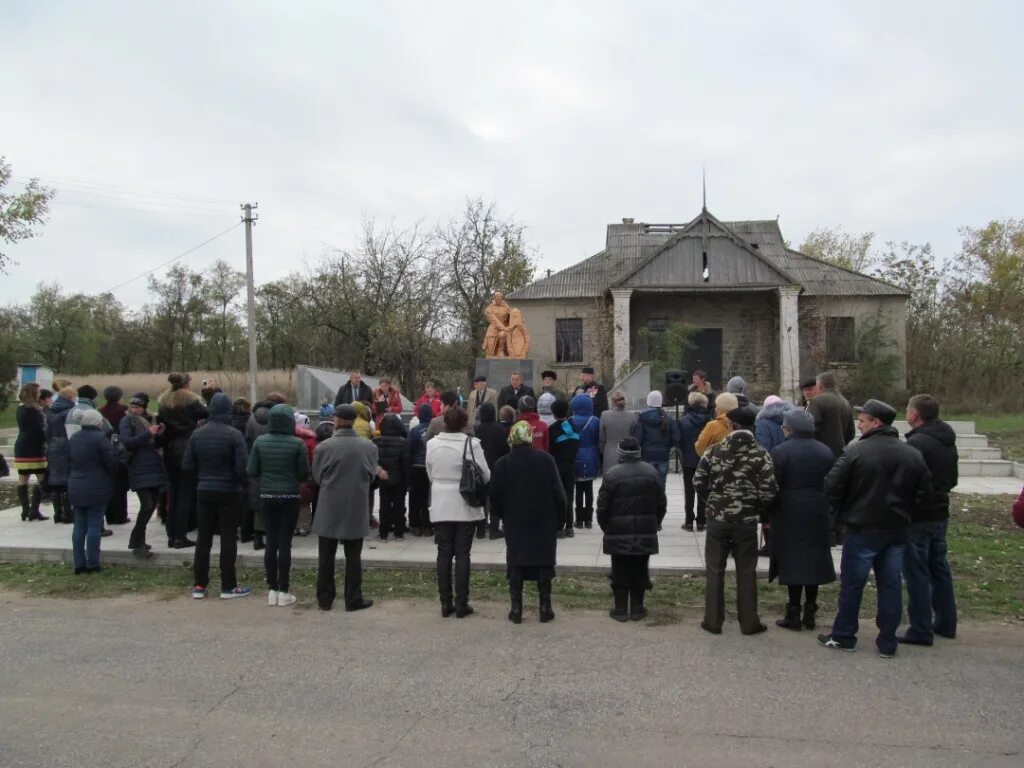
[965, 314]
[405, 301]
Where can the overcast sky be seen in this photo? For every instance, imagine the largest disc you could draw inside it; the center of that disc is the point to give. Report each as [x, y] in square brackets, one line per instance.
[155, 119]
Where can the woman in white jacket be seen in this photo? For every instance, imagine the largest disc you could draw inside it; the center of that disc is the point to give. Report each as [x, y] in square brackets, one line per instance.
[453, 519]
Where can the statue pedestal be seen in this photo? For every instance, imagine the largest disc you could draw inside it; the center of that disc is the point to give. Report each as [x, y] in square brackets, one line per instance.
[499, 370]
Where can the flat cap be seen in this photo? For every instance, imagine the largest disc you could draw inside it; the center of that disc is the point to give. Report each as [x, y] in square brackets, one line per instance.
[345, 412]
[884, 412]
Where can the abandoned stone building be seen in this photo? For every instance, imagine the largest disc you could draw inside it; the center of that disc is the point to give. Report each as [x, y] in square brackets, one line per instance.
[756, 307]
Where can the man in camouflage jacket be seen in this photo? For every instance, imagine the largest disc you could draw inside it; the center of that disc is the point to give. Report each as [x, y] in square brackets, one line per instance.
[737, 479]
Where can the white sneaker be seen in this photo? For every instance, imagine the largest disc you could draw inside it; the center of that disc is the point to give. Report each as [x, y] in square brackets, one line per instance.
[273, 596]
[285, 598]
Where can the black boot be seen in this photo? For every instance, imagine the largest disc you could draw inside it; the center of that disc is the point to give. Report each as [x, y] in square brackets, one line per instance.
[68, 517]
[637, 612]
[621, 610]
[791, 619]
[37, 499]
[544, 593]
[257, 542]
[58, 507]
[809, 610]
[515, 593]
[23, 499]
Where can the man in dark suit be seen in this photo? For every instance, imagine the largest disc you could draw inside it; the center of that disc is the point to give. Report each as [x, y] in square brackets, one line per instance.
[355, 390]
[511, 394]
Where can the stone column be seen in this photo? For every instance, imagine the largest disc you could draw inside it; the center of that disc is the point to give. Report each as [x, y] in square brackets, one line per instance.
[620, 328]
[789, 343]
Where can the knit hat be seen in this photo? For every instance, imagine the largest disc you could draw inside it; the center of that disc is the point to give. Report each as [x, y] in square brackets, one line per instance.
[92, 418]
[302, 419]
[527, 403]
[629, 449]
[113, 394]
[799, 422]
[544, 403]
[736, 385]
[87, 392]
[520, 434]
[654, 399]
[743, 418]
[139, 398]
[772, 399]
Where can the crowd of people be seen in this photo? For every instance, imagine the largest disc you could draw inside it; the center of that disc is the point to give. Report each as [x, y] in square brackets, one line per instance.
[520, 467]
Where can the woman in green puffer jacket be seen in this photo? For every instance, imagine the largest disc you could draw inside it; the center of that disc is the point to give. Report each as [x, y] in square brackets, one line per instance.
[280, 461]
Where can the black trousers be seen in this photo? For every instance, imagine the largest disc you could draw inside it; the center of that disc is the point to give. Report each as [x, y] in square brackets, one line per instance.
[182, 489]
[585, 500]
[279, 518]
[217, 511]
[419, 498]
[740, 540]
[147, 503]
[392, 510]
[326, 589]
[454, 540]
[630, 572]
[117, 507]
[690, 495]
[247, 518]
[566, 473]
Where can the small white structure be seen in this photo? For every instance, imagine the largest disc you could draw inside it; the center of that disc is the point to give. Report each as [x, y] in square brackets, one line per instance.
[35, 372]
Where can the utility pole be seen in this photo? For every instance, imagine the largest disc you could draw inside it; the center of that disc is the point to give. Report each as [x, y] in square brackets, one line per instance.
[249, 218]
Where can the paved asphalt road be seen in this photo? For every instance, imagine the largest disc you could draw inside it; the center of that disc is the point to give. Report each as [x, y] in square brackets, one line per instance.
[144, 682]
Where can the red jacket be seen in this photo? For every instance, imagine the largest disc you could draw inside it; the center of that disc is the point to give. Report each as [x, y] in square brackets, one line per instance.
[308, 436]
[435, 403]
[386, 403]
[540, 430]
[1018, 510]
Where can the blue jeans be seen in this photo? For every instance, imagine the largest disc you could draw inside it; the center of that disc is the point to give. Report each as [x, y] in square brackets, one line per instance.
[863, 551]
[929, 582]
[85, 536]
[662, 467]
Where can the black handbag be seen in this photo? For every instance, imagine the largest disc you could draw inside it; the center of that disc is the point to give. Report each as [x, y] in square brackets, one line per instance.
[472, 485]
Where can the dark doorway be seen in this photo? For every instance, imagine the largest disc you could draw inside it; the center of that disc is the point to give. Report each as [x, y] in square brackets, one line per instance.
[705, 354]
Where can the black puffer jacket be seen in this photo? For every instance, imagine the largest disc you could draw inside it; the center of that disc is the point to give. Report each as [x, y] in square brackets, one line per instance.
[630, 507]
[180, 411]
[491, 434]
[216, 451]
[936, 441]
[393, 452]
[259, 421]
[879, 483]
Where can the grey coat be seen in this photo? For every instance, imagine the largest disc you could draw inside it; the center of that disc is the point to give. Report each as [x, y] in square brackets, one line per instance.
[615, 425]
[343, 467]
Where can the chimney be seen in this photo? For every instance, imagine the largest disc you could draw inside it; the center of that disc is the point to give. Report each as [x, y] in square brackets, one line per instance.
[627, 221]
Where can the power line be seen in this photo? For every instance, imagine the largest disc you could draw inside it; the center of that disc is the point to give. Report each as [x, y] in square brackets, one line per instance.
[193, 249]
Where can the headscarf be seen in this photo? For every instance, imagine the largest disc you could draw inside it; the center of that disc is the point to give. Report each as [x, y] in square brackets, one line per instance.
[520, 434]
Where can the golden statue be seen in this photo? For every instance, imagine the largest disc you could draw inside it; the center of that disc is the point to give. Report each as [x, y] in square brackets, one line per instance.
[506, 335]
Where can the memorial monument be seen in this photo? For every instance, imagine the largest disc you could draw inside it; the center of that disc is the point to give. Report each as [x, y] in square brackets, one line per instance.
[506, 344]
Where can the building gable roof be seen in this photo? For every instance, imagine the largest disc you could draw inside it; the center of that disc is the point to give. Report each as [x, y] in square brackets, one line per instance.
[630, 246]
[705, 253]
